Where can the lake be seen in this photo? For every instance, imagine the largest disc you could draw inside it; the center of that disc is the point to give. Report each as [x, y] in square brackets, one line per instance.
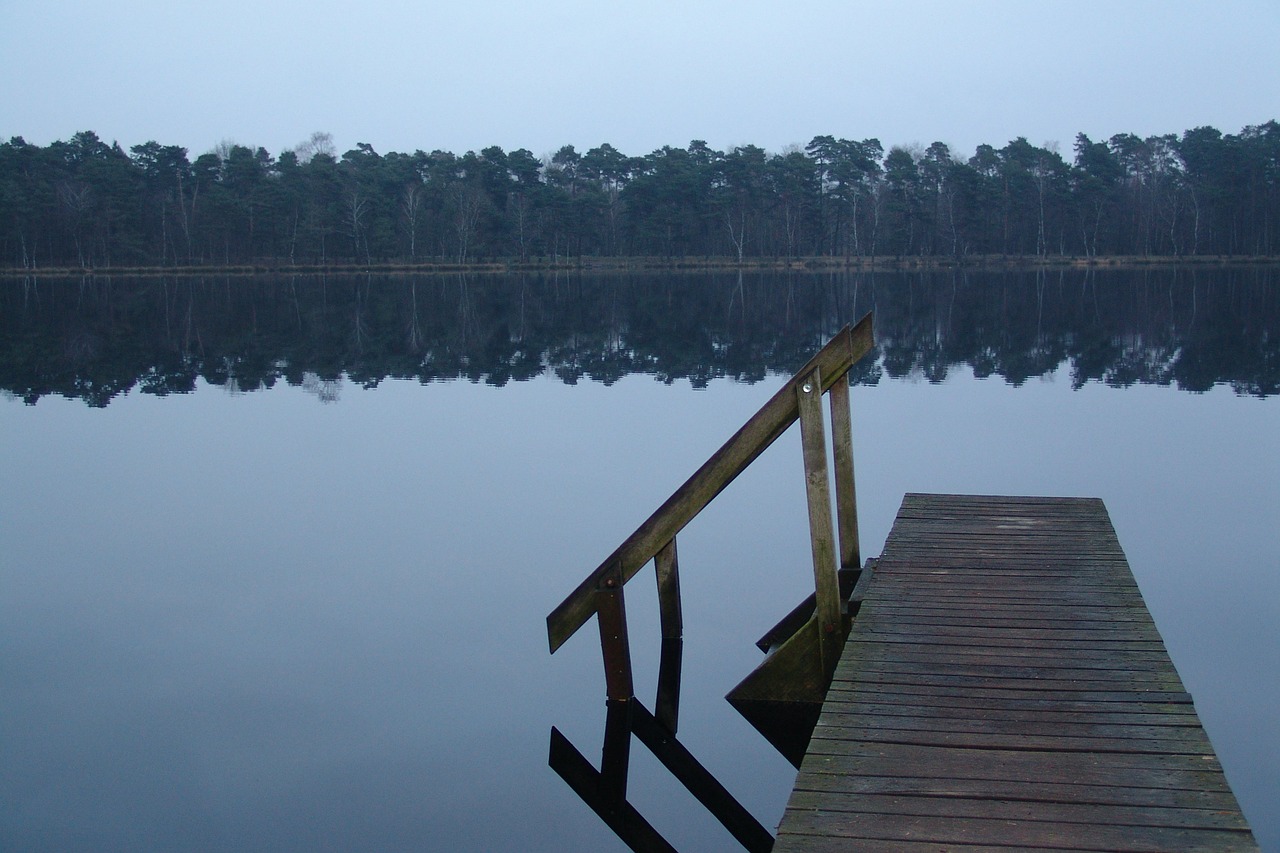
[277, 552]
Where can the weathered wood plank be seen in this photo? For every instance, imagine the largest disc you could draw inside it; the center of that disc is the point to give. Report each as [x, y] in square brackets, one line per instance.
[892, 631]
[1117, 654]
[1078, 736]
[1004, 687]
[915, 693]
[1147, 688]
[1023, 834]
[614, 644]
[853, 778]
[1046, 712]
[997, 661]
[842, 462]
[822, 537]
[1192, 772]
[982, 740]
[1017, 806]
[1008, 614]
[981, 621]
[1077, 724]
[822, 844]
[666, 565]
[997, 590]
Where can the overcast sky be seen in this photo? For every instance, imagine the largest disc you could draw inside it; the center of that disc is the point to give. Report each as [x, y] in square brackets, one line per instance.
[408, 74]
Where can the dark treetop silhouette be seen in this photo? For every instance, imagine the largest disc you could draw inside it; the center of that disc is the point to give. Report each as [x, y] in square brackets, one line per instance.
[85, 203]
[96, 338]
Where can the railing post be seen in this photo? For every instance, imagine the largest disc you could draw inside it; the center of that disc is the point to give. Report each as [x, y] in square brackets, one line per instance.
[667, 569]
[615, 754]
[846, 495]
[614, 646]
[666, 706]
[821, 535]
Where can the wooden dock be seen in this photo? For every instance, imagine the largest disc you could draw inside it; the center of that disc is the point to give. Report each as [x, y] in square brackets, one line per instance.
[1004, 687]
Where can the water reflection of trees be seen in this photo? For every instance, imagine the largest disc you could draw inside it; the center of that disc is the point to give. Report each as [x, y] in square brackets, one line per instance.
[96, 338]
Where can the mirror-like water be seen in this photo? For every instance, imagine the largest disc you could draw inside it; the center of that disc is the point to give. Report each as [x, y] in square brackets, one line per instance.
[262, 620]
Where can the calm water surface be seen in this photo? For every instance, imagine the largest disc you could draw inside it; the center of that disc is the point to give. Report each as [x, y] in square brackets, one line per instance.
[312, 617]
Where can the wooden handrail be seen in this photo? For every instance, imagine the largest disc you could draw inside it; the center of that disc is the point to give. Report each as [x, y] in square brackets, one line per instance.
[831, 364]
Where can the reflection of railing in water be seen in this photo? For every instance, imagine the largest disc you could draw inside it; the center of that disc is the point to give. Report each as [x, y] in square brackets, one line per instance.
[800, 668]
[605, 790]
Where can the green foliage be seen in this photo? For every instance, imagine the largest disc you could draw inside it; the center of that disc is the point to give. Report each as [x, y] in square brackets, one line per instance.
[85, 203]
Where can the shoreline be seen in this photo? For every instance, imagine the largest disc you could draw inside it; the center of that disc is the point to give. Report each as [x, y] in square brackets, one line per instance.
[687, 264]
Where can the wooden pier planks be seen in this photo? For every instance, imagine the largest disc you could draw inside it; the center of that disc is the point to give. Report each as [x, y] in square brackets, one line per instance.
[1004, 687]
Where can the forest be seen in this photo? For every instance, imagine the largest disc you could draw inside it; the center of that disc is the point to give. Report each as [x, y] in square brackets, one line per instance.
[87, 204]
[95, 338]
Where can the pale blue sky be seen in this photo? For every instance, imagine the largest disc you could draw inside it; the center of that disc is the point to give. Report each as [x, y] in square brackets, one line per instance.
[405, 75]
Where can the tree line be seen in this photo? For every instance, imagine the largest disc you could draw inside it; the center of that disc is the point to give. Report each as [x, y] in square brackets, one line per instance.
[95, 338]
[88, 204]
